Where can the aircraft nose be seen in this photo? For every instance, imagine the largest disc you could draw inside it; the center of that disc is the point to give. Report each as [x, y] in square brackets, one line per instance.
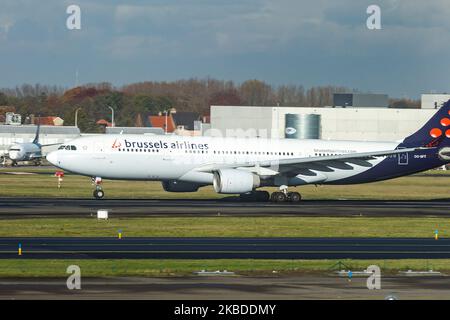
[52, 157]
[15, 152]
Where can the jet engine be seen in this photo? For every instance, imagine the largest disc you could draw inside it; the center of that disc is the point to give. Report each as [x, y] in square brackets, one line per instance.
[179, 186]
[235, 181]
[444, 154]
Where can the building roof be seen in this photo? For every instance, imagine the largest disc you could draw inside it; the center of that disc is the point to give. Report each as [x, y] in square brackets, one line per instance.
[31, 129]
[103, 122]
[134, 130]
[49, 121]
[160, 121]
[185, 119]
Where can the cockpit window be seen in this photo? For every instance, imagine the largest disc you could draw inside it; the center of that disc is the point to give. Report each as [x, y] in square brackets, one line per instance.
[14, 149]
[64, 147]
[67, 148]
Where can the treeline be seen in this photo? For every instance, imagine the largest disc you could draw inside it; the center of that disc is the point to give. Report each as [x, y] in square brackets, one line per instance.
[152, 97]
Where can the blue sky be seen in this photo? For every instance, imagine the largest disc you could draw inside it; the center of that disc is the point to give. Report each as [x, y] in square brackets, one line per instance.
[316, 42]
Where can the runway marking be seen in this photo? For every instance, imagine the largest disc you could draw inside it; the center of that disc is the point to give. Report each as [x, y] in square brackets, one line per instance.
[229, 244]
[225, 252]
[226, 248]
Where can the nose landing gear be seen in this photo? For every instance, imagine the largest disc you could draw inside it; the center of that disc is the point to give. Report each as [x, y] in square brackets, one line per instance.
[98, 192]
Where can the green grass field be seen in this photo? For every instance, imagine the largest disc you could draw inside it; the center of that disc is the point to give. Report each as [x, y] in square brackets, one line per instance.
[164, 268]
[227, 227]
[220, 227]
[432, 185]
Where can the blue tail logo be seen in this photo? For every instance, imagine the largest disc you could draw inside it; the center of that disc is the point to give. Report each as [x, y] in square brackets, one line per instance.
[436, 132]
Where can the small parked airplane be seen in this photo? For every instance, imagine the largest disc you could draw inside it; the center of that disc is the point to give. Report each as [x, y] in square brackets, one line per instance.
[241, 165]
[27, 151]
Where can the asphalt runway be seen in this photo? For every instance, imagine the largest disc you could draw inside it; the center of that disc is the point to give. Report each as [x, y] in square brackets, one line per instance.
[231, 206]
[225, 248]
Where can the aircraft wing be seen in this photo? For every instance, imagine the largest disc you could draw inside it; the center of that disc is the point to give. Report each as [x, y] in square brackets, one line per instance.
[293, 166]
[51, 144]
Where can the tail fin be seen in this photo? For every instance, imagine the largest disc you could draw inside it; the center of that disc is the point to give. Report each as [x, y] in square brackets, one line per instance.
[436, 132]
[36, 138]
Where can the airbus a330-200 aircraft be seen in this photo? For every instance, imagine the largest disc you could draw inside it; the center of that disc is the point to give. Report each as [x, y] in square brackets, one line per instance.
[242, 165]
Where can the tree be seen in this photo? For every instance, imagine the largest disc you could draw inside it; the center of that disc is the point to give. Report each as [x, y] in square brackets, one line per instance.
[3, 99]
[229, 97]
[85, 121]
[256, 93]
[404, 104]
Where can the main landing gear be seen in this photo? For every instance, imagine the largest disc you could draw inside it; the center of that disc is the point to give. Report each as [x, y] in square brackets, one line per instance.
[284, 196]
[98, 192]
[280, 196]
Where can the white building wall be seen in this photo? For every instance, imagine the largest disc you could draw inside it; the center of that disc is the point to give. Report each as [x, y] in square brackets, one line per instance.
[365, 124]
[234, 121]
[429, 100]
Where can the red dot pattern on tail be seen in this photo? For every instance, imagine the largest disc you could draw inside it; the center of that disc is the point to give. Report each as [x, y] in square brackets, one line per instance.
[445, 122]
[435, 132]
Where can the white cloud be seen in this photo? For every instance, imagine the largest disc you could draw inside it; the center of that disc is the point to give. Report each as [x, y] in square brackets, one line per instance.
[130, 46]
[5, 25]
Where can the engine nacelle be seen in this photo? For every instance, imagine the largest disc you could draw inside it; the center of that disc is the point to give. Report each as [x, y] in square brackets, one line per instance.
[235, 181]
[444, 154]
[179, 186]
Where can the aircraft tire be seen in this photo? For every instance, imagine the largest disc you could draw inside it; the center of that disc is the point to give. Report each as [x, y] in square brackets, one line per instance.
[278, 197]
[294, 196]
[99, 194]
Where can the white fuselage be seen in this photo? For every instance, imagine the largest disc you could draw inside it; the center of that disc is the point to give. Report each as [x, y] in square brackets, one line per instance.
[142, 157]
[24, 152]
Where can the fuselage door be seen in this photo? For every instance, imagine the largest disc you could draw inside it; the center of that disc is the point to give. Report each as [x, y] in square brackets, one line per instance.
[402, 158]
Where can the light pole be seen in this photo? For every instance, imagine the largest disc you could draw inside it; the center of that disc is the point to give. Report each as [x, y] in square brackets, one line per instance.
[165, 126]
[76, 117]
[112, 116]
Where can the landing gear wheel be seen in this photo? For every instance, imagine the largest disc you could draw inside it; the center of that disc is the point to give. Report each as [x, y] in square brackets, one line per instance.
[99, 194]
[294, 196]
[278, 197]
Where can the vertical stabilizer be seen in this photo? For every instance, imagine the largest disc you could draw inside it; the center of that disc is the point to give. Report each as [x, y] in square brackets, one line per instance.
[36, 138]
